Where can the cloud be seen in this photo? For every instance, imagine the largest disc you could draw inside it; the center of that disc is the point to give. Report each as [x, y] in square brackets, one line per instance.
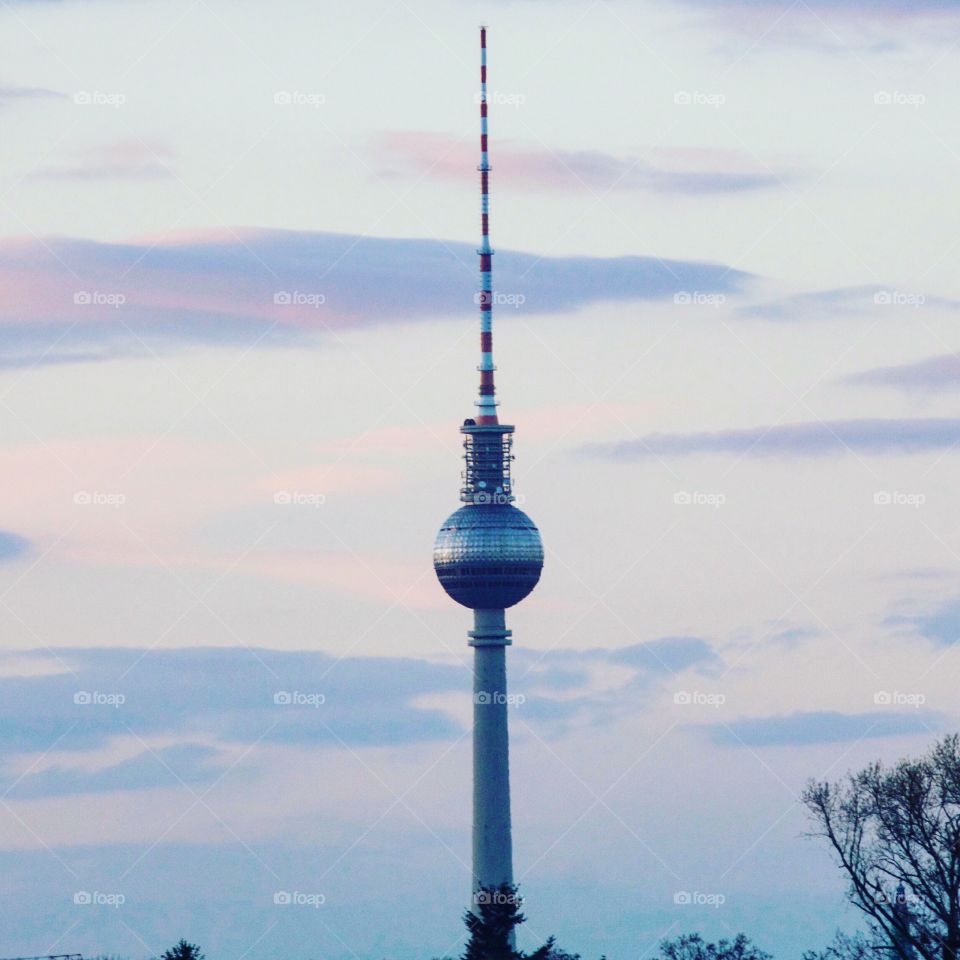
[135, 160]
[667, 655]
[941, 626]
[87, 705]
[80, 299]
[805, 439]
[12, 546]
[164, 767]
[833, 27]
[12, 93]
[231, 695]
[844, 302]
[690, 171]
[934, 373]
[824, 726]
[872, 8]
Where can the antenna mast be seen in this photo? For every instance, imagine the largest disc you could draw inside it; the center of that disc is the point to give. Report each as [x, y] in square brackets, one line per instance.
[487, 404]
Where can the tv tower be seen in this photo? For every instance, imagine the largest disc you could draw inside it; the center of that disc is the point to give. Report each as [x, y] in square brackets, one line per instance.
[488, 556]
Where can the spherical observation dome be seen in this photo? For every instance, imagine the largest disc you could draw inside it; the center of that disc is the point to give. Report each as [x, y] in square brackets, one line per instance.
[488, 556]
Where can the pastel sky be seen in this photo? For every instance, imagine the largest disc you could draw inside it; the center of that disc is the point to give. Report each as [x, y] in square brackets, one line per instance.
[237, 336]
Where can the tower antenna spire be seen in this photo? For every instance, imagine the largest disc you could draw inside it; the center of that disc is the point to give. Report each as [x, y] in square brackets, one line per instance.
[487, 403]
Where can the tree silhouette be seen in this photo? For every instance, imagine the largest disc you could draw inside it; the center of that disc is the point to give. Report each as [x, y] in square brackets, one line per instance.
[691, 946]
[491, 924]
[846, 946]
[183, 951]
[895, 832]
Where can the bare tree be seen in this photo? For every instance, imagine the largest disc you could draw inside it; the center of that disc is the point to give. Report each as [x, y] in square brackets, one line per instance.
[895, 833]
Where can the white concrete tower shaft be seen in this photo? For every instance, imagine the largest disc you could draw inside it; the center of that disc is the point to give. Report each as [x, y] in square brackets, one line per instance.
[492, 841]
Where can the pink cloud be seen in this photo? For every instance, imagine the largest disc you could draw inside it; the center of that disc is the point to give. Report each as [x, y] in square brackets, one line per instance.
[133, 159]
[330, 478]
[681, 170]
[63, 299]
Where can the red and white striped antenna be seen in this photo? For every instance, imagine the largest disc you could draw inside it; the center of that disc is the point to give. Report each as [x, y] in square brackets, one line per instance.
[487, 403]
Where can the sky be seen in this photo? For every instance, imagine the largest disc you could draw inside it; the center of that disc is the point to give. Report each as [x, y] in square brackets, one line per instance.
[237, 336]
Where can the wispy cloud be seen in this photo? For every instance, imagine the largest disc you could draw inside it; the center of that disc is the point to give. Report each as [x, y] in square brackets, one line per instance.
[84, 299]
[826, 305]
[805, 439]
[12, 93]
[124, 160]
[836, 27]
[941, 625]
[12, 546]
[690, 171]
[824, 726]
[934, 373]
[870, 8]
